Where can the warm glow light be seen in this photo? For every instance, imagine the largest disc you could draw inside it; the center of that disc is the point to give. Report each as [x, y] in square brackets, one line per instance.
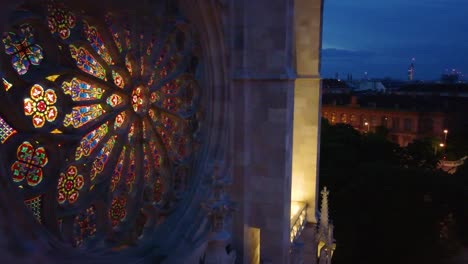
[441, 145]
[366, 123]
[445, 131]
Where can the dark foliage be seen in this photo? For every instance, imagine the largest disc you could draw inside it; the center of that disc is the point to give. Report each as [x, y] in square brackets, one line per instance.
[391, 204]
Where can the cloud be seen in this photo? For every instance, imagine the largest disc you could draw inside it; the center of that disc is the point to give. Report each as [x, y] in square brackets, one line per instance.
[345, 54]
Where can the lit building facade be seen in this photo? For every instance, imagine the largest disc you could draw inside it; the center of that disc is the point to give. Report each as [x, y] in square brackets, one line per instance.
[403, 125]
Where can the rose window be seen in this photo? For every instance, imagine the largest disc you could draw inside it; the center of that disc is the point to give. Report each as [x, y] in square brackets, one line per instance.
[99, 119]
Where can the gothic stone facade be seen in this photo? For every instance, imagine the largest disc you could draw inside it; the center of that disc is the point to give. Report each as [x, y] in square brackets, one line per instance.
[260, 94]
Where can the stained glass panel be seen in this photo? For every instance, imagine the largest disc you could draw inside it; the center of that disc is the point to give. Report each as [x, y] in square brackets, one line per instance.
[22, 49]
[131, 171]
[81, 115]
[80, 90]
[114, 32]
[114, 100]
[102, 158]
[132, 138]
[86, 62]
[128, 64]
[6, 84]
[117, 174]
[90, 141]
[35, 205]
[92, 35]
[84, 226]
[69, 185]
[6, 131]
[117, 212]
[146, 162]
[120, 120]
[118, 80]
[29, 164]
[158, 189]
[60, 20]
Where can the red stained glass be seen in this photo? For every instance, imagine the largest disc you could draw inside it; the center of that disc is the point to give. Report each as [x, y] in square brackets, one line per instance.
[69, 185]
[60, 20]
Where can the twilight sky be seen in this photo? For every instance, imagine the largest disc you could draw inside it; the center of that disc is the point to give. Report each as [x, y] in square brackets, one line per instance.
[381, 37]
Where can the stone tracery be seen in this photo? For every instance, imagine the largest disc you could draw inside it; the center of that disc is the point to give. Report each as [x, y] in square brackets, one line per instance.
[119, 105]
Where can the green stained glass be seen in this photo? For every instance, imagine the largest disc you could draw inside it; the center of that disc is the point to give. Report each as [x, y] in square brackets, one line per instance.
[120, 120]
[118, 79]
[29, 164]
[81, 115]
[90, 141]
[82, 91]
[114, 100]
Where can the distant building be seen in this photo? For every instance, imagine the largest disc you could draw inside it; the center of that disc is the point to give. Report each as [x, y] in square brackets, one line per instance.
[450, 77]
[433, 89]
[411, 71]
[406, 117]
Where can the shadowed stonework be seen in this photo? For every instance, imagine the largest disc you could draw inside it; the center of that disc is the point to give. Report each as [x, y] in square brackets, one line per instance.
[158, 131]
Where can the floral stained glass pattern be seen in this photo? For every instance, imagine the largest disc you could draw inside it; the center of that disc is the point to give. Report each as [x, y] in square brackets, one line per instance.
[29, 164]
[69, 185]
[60, 20]
[82, 91]
[6, 131]
[117, 212]
[41, 105]
[102, 158]
[81, 115]
[92, 35]
[118, 79]
[86, 62]
[114, 100]
[90, 141]
[129, 117]
[119, 120]
[22, 49]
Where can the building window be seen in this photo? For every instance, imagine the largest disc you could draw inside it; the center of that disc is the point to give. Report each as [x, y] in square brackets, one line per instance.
[344, 118]
[396, 124]
[427, 125]
[373, 121]
[384, 121]
[353, 119]
[408, 124]
[333, 117]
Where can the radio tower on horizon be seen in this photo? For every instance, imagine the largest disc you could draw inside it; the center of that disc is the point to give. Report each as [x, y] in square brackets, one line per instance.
[411, 70]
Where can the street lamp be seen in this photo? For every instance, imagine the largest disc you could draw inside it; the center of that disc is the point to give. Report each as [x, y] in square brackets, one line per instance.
[367, 124]
[445, 132]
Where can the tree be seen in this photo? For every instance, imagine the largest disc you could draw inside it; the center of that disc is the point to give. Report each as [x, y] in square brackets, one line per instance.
[387, 202]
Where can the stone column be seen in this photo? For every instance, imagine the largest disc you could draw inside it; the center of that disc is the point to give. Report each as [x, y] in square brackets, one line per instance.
[307, 101]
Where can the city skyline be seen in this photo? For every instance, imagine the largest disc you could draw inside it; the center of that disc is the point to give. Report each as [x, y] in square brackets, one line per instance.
[382, 38]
